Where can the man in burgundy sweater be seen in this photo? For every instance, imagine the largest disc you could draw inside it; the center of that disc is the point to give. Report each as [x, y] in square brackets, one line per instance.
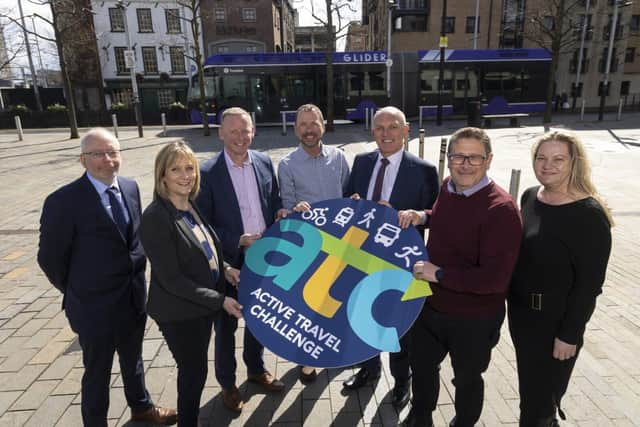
[474, 239]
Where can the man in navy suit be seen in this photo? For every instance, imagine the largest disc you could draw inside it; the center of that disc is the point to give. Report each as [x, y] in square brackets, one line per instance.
[89, 250]
[398, 179]
[239, 197]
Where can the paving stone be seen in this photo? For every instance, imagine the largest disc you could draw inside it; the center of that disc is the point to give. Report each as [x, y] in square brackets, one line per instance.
[72, 417]
[33, 397]
[40, 339]
[7, 398]
[60, 367]
[30, 328]
[49, 352]
[15, 419]
[11, 381]
[17, 360]
[49, 412]
[71, 383]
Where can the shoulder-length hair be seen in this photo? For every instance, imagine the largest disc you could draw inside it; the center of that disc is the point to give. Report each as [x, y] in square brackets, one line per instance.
[580, 175]
[166, 158]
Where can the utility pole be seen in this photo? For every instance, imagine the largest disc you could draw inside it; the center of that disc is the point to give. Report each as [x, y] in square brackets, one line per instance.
[34, 76]
[475, 25]
[131, 63]
[45, 83]
[389, 61]
[583, 35]
[443, 46]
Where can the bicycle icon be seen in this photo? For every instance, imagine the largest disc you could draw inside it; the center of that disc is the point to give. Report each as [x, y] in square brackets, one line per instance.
[316, 215]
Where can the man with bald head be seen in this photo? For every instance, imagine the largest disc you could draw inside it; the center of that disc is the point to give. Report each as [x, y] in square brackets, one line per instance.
[89, 249]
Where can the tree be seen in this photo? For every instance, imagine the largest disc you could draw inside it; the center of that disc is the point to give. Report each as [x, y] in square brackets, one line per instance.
[553, 25]
[337, 9]
[12, 52]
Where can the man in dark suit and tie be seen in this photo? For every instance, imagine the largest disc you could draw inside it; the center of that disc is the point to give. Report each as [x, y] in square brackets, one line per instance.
[89, 250]
[239, 197]
[401, 180]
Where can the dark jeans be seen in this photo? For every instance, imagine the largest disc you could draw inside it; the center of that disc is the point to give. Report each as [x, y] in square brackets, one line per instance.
[469, 343]
[188, 341]
[398, 362]
[225, 344]
[97, 356]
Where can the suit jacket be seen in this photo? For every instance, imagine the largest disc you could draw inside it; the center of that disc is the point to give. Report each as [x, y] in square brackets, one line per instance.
[219, 204]
[182, 285]
[416, 186]
[85, 256]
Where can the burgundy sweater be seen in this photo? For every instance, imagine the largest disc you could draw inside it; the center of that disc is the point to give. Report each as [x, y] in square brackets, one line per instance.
[475, 240]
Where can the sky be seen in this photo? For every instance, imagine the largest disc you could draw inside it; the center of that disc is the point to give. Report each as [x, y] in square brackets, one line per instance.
[48, 50]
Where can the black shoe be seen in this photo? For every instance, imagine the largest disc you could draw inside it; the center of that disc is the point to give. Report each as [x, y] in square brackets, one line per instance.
[414, 421]
[400, 395]
[307, 378]
[361, 378]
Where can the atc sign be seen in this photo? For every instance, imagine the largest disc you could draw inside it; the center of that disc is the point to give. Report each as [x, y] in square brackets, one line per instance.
[333, 286]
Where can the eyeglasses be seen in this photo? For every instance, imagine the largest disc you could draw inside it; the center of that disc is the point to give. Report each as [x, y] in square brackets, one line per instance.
[474, 159]
[112, 154]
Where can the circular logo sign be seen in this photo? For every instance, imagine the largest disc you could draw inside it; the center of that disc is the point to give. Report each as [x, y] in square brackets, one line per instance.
[333, 286]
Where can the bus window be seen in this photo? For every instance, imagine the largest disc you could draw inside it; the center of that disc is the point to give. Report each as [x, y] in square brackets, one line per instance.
[356, 83]
[376, 82]
[234, 90]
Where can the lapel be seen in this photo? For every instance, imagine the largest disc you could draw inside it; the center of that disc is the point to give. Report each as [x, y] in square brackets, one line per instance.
[369, 165]
[222, 177]
[261, 179]
[403, 179]
[102, 215]
[186, 230]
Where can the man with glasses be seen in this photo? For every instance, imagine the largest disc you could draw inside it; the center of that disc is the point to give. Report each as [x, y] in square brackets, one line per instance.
[474, 240]
[89, 249]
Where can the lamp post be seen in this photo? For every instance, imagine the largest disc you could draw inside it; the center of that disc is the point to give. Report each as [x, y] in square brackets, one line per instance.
[583, 35]
[612, 35]
[389, 62]
[131, 64]
[443, 46]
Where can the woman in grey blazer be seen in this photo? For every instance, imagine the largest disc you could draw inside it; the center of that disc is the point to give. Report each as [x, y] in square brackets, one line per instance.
[187, 286]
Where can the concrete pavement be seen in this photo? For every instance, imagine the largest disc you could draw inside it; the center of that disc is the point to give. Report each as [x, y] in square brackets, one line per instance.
[40, 360]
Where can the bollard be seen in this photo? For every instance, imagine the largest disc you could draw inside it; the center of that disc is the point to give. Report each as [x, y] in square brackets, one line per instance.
[584, 103]
[253, 120]
[19, 128]
[514, 185]
[284, 122]
[366, 118]
[114, 120]
[620, 109]
[420, 117]
[373, 113]
[163, 117]
[406, 142]
[443, 152]
[421, 143]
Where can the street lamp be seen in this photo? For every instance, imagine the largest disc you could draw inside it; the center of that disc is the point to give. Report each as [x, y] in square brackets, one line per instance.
[389, 62]
[612, 36]
[131, 64]
[583, 34]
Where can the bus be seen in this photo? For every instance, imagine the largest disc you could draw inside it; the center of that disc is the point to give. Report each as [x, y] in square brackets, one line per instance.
[268, 84]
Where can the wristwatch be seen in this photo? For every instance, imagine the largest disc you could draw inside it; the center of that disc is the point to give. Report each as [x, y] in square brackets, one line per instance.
[439, 274]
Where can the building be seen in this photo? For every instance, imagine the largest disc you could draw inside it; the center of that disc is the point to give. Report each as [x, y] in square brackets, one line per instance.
[5, 71]
[237, 26]
[356, 37]
[162, 45]
[314, 39]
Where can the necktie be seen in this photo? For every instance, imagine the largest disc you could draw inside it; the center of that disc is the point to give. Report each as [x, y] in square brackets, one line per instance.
[377, 188]
[117, 212]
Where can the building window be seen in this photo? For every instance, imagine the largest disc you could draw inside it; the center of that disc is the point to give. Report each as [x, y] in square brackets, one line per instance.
[145, 25]
[603, 61]
[548, 23]
[634, 24]
[220, 14]
[450, 25]
[122, 96]
[630, 55]
[252, 49]
[150, 60]
[471, 24]
[573, 64]
[121, 67]
[249, 14]
[223, 49]
[117, 19]
[411, 23]
[600, 85]
[172, 17]
[176, 53]
[165, 98]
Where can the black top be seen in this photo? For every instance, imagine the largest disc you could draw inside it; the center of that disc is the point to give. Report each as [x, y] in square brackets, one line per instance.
[564, 255]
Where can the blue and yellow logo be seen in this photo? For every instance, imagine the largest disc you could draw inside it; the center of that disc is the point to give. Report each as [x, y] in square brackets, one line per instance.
[333, 286]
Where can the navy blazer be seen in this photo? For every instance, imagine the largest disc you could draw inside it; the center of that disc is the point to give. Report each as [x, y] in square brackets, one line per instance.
[182, 285]
[416, 186]
[85, 256]
[219, 204]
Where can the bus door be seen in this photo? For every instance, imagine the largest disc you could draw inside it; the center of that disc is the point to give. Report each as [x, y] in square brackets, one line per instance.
[263, 98]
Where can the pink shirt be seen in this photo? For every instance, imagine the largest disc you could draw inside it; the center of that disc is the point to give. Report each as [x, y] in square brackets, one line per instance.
[245, 185]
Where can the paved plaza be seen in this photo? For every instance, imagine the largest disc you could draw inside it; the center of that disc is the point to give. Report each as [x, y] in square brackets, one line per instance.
[40, 359]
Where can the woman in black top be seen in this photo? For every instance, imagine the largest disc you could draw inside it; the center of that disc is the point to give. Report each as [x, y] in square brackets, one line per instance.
[560, 272]
[186, 288]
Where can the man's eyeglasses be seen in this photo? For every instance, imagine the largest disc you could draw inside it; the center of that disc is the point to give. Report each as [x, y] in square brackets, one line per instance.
[100, 154]
[474, 159]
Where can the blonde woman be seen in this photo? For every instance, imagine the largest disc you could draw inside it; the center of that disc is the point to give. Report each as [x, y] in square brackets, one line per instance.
[187, 283]
[560, 272]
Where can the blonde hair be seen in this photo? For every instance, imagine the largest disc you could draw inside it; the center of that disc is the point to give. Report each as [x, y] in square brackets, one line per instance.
[166, 158]
[580, 175]
[235, 111]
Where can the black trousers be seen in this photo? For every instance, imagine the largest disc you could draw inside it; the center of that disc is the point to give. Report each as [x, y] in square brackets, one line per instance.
[98, 350]
[225, 344]
[188, 341]
[398, 362]
[469, 343]
[542, 380]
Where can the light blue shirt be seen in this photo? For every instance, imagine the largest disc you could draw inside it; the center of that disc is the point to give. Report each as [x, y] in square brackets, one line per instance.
[312, 179]
[102, 188]
[471, 190]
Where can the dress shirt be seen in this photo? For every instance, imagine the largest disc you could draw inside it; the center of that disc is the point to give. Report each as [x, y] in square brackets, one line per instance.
[102, 188]
[312, 179]
[245, 186]
[390, 175]
[471, 190]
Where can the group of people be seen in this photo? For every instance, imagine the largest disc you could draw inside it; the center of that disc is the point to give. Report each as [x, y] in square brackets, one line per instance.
[548, 260]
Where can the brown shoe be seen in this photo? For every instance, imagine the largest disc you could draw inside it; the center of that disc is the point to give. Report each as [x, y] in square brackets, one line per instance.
[156, 415]
[268, 381]
[232, 399]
